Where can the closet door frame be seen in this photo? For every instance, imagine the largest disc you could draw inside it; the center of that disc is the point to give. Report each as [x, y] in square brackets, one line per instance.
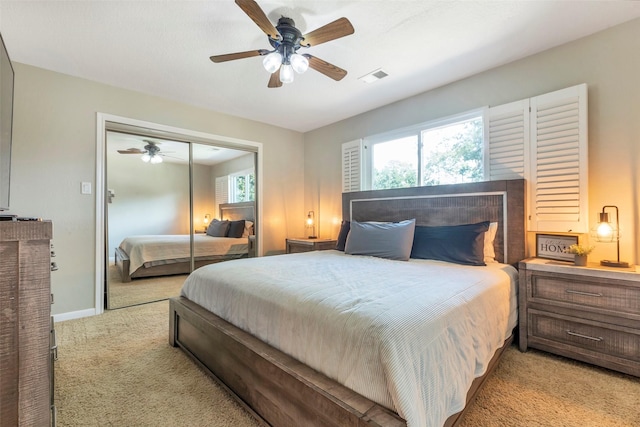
[110, 122]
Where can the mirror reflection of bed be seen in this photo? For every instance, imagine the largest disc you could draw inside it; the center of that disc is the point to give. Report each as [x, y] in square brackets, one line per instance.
[153, 200]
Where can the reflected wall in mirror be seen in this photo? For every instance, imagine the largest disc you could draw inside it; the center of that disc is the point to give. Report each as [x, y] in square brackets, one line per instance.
[156, 231]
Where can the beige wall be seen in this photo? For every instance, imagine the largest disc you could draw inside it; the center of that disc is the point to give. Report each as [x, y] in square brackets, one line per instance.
[609, 62]
[54, 150]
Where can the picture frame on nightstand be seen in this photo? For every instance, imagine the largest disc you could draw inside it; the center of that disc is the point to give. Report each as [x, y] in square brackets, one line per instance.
[553, 246]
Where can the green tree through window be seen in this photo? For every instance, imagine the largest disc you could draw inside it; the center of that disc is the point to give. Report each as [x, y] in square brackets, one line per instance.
[453, 155]
[449, 154]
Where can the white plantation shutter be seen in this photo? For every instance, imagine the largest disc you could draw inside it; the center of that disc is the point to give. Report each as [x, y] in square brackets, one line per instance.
[352, 166]
[508, 141]
[559, 170]
[222, 192]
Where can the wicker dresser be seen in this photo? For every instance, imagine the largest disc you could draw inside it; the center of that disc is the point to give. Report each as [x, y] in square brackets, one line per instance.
[25, 323]
[588, 313]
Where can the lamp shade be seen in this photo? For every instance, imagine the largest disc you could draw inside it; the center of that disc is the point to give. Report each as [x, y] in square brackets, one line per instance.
[311, 225]
[606, 232]
[286, 73]
[299, 63]
[272, 62]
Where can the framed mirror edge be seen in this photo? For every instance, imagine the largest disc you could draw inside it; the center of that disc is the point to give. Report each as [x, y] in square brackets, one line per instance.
[107, 122]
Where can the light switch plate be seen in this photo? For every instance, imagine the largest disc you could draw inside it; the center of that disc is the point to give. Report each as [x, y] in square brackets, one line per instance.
[86, 188]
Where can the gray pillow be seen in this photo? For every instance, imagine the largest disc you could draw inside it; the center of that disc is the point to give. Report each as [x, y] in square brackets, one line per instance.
[381, 239]
[218, 228]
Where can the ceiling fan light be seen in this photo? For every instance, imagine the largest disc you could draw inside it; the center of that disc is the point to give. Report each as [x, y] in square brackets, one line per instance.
[299, 63]
[146, 157]
[286, 73]
[156, 159]
[272, 62]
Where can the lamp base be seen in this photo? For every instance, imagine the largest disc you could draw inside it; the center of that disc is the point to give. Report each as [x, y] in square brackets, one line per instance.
[619, 264]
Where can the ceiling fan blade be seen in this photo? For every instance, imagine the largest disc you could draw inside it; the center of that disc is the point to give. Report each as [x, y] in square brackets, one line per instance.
[258, 16]
[132, 151]
[238, 55]
[274, 80]
[329, 70]
[334, 30]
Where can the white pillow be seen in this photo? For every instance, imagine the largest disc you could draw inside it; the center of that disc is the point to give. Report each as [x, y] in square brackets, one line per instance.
[489, 237]
[248, 228]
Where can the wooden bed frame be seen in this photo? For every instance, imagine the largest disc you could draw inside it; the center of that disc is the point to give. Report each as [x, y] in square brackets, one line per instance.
[229, 211]
[280, 391]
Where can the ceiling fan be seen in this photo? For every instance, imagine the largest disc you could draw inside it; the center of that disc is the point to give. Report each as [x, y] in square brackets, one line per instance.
[286, 40]
[150, 154]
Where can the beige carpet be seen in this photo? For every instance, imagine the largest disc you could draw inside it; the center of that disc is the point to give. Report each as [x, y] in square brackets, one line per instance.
[140, 291]
[117, 369]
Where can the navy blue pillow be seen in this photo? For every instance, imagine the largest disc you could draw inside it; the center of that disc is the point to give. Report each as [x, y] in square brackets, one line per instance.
[236, 228]
[460, 244]
[342, 236]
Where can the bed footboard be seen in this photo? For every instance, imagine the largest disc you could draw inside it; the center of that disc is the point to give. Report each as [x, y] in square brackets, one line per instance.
[122, 264]
[277, 389]
[283, 391]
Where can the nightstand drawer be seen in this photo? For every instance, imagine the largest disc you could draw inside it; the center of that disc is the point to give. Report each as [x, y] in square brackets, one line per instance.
[615, 341]
[582, 293]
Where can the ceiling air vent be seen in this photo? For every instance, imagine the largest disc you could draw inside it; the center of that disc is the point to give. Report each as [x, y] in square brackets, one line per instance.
[374, 76]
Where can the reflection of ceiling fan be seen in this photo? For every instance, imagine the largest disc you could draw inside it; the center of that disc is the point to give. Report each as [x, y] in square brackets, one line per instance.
[150, 154]
[286, 39]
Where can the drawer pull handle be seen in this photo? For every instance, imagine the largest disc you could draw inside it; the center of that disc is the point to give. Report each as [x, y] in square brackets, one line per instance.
[589, 294]
[54, 347]
[575, 334]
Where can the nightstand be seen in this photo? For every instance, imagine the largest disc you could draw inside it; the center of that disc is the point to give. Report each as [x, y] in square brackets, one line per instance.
[588, 313]
[302, 244]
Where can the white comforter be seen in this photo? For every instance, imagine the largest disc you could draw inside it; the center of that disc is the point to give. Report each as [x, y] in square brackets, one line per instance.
[163, 249]
[411, 336]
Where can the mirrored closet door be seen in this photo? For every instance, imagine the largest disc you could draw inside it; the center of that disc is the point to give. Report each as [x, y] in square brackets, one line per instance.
[162, 196]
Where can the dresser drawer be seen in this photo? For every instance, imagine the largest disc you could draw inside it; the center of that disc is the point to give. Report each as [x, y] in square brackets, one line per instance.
[584, 293]
[581, 334]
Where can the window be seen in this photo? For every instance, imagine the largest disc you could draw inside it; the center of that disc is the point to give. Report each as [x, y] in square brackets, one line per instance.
[242, 186]
[395, 163]
[543, 139]
[447, 151]
[452, 153]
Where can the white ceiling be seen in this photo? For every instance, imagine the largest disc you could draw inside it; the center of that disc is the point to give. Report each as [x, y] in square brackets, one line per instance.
[172, 151]
[163, 47]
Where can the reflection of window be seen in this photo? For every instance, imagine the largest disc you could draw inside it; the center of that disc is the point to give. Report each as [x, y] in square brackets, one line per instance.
[242, 186]
[446, 151]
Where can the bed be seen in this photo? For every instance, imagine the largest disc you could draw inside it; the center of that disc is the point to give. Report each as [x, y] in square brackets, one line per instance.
[288, 387]
[163, 255]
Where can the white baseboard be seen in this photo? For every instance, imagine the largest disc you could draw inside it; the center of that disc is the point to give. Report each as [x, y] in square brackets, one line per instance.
[74, 315]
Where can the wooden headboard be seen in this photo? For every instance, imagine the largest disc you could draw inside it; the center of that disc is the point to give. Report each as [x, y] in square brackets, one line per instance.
[495, 201]
[237, 211]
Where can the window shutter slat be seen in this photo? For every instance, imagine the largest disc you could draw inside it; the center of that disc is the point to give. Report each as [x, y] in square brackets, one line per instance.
[222, 191]
[559, 160]
[351, 166]
[508, 134]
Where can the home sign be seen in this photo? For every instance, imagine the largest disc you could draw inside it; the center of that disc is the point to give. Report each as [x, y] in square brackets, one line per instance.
[552, 246]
